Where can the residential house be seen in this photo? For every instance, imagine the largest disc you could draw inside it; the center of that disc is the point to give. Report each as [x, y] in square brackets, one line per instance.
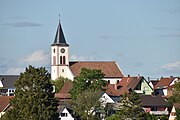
[155, 105]
[153, 83]
[7, 87]
[4, 104]
[165, 85]
[105, 98]
[172, 115]
[65, 113]
[136, 83]
[61, 66]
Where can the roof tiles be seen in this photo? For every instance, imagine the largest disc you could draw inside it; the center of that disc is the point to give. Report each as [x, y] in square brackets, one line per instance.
[110, 69]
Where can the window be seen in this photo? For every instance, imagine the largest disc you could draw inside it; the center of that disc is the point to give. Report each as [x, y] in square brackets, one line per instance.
[173, 114]
[117, 81]
[62, 70]
[61, 60]
[54, 60]
[146, 88]
[63, 114]
[108, 81]
[54, 50]
[64, 60]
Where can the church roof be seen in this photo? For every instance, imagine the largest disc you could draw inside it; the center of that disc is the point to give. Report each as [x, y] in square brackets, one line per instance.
[109, 68]
[59, 38]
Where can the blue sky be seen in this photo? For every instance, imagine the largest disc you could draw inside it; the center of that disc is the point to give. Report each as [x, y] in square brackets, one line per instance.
[143, 36]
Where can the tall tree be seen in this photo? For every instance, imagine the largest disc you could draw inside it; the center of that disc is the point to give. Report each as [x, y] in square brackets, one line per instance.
[59, 83]
[88, 80]
[86, 105]
[129, 108]
[33, 99]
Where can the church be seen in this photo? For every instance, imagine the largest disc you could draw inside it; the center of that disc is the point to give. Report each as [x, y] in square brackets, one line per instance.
[61, 66]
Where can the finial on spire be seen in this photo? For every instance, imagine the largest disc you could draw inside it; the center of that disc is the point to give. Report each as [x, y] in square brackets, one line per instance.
[59, 18]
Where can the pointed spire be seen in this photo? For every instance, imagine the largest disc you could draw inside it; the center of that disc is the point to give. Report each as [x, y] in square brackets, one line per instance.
[59, 38]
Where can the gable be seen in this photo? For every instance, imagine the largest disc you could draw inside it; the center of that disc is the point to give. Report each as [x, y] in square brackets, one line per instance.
[106, 99]
[110, 69]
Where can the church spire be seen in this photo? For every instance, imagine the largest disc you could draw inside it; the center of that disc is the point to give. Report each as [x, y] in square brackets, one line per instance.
[59, 38]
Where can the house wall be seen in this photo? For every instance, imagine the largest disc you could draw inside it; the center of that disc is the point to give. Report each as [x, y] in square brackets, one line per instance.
[68, 117]
[172, 115]
[1, 114]
[105, 99]
[165, 91]
[113, 80]
[145, 87]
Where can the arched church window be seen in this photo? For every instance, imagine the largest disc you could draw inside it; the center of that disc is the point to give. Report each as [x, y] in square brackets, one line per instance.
[61, 60]
[64, 60]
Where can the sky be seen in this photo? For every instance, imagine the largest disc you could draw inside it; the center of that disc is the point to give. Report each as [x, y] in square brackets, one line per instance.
[142, 36]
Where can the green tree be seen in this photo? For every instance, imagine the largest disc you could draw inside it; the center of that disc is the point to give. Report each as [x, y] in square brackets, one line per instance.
[178, 114]
[33, 97]
[130, 107]
[86, 105]
[59, 83]
[88, 80]
[175, 98]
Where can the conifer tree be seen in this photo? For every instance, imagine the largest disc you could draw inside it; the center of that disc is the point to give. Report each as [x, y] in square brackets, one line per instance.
[33, 99]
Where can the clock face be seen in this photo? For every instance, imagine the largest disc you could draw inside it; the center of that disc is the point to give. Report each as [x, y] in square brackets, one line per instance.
[62, 50]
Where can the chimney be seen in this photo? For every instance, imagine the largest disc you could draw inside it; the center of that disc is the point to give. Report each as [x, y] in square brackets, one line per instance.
[149, 79]
[138, 76]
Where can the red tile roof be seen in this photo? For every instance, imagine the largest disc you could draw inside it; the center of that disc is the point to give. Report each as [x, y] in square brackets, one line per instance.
[164, 82]
[64, 93]
[4, 102]
[129, 82]
[149, 100]
[110, 69]
[123, 86]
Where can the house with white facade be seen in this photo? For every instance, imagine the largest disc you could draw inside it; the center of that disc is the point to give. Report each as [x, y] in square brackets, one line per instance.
[164, 84]
[7, 87]
[172, 115]
[65, 113]
[61, 66]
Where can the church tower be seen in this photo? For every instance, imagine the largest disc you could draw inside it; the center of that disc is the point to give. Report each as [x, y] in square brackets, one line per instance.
[59, 55]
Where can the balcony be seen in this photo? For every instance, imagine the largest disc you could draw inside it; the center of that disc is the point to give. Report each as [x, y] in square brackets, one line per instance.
[159, 112]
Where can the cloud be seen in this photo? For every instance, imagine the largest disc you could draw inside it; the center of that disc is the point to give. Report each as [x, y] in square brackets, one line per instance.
[167, 28]
[82, 58]
[107, 37]
[23, 24]
[173, 11]
[170, 35]
[15, 70]
[16, 66]
[171, 68]
[37, 58]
